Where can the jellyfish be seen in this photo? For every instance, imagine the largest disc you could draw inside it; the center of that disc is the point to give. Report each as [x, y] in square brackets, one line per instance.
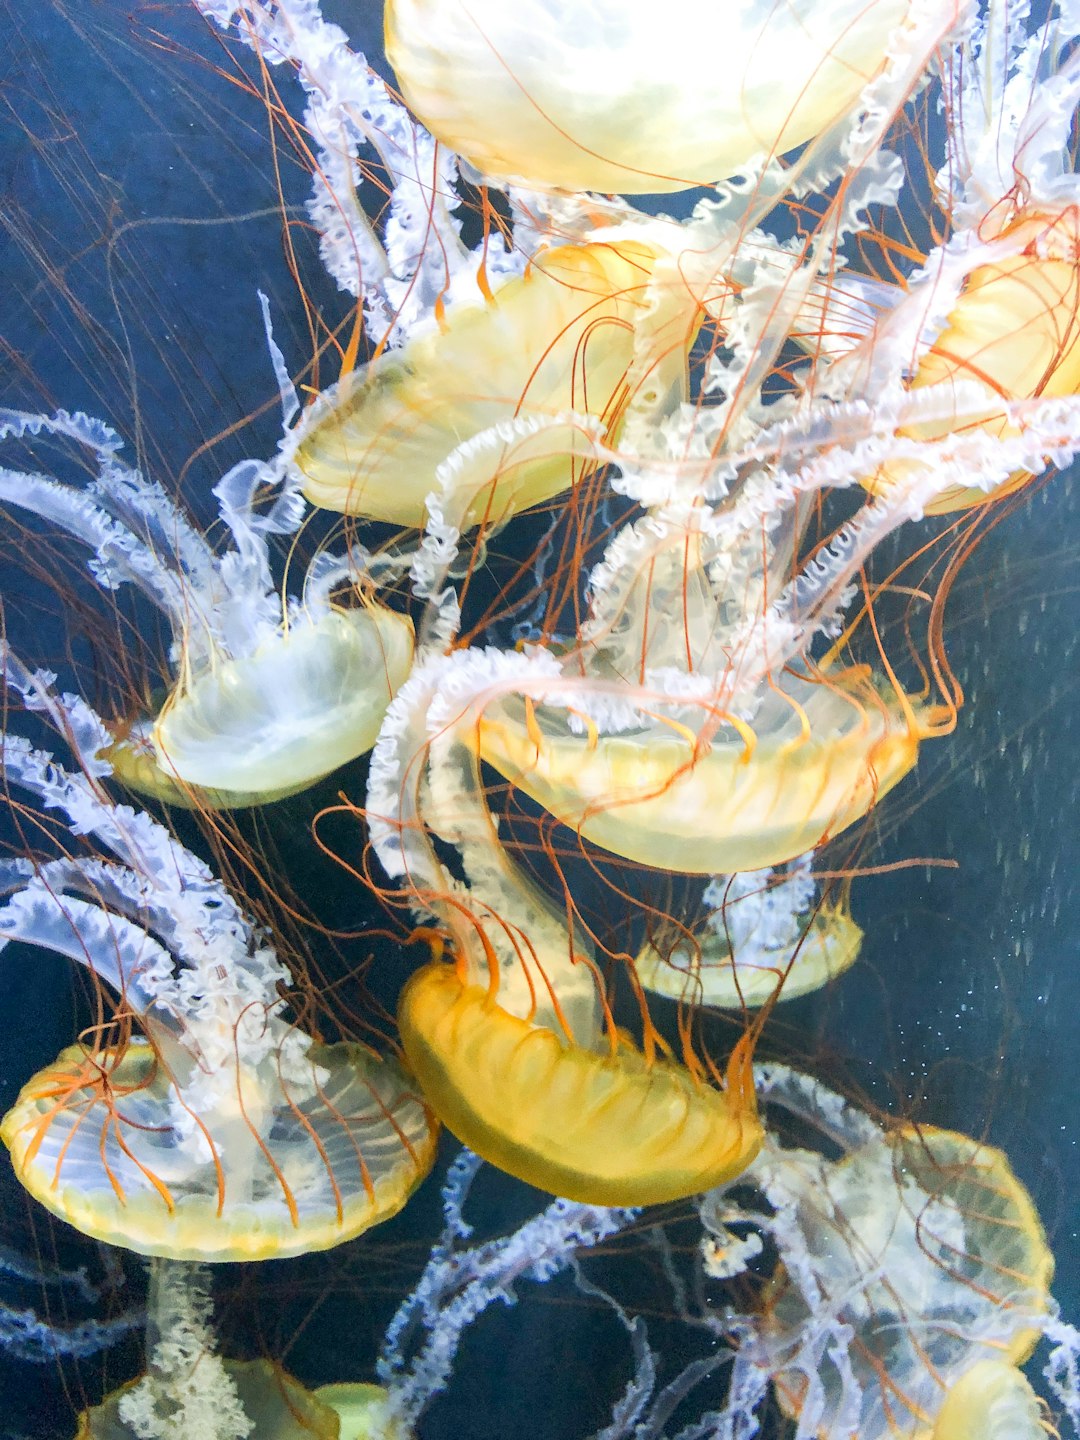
[987, 326]
[224, 1133]
[764, 936]
[558, 341]
[189, 1391]
[513, 1042]
[600, 97]
[269, 694]
[914, 1277]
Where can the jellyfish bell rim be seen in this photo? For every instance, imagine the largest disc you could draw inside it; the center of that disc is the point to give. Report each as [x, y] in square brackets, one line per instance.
[193, 747]
[193, 1229]
[454, 1033]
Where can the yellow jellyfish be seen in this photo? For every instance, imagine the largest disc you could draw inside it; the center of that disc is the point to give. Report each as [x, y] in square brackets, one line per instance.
[557, 340]
[1014, 334]
[612, 95]
[361, 1410]
[817, 756]
[226, 1133]
[270, 695]
[765, 929]
[938, 1264]
[602, 1126]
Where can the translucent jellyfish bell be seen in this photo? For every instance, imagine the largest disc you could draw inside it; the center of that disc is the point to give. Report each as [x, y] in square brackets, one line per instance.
[612, 96]
[764, 928]
[915, 1276]
[557, 340]
[270, 695]
[226, 1134]
[668, 742]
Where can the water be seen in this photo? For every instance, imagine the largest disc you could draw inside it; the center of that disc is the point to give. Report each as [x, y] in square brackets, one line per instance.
[138, 216]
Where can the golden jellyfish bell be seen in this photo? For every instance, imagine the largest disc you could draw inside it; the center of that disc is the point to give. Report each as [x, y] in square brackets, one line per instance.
[278, 1406]
[616, 95]
[559, 338]
[991, 1401]
[943, 1264]
[1015, 333]
[309, 699]
[108, 1143]
[362, 1411]
[600, 1128]
[818, 756]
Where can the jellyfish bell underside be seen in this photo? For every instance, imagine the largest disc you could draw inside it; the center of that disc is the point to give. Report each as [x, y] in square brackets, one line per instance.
[559, 338]
[600, 1128]
[616, 96]
[992, 1401]
[270, 724]
[278, 1406]
[1014, 332]
[293, 1169]
[655, 797]
[943, 1264]
[705, 971]
[362, 1411]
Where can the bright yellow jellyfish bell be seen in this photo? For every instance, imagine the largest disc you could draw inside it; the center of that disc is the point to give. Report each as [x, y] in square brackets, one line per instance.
[309, 699]
[628, 96]
[599, 1126]
[279, 1165]
[1015, 332]
[558, 339]
[992, 1401]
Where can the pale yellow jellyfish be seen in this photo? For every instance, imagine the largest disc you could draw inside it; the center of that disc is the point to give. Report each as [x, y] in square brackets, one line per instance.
[932, 1252]
[226, 1133]
[765, 929]
[1014, 333]
[362, 1411]
[615, 95]
[270, 694]
[558, 340]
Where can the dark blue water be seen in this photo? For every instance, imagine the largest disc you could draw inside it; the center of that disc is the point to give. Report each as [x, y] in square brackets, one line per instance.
[138, 216]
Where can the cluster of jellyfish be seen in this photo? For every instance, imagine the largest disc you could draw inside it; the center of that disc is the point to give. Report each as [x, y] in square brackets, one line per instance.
[721, 418]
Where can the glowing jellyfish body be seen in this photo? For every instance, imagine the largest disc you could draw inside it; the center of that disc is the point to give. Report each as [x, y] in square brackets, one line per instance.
[1015, 334]
[112, 1144]
[764, 929]
[270, 695]
[598, 1127]
[938, 1261]
[819, 756]
[558, 339]
[227, 1134]
[609, 95]
[308, 700]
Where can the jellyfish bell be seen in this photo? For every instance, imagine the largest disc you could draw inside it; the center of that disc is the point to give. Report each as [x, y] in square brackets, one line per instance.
[1014, 334]
[308, 700]
[605, 1127]
[362, 1411]
[765, 937]
[225, 1133]
[992, 1401]
[923, 1245]
[610, 96]
[819, 753]
[270, 694]
[557, 340]
[274, 1403]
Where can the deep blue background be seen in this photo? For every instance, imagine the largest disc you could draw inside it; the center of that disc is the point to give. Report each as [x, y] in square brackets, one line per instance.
[137, 217]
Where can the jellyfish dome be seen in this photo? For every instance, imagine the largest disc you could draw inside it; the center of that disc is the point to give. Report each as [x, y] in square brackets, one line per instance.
[613, 96]
[225, 1133]
[270, 695]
